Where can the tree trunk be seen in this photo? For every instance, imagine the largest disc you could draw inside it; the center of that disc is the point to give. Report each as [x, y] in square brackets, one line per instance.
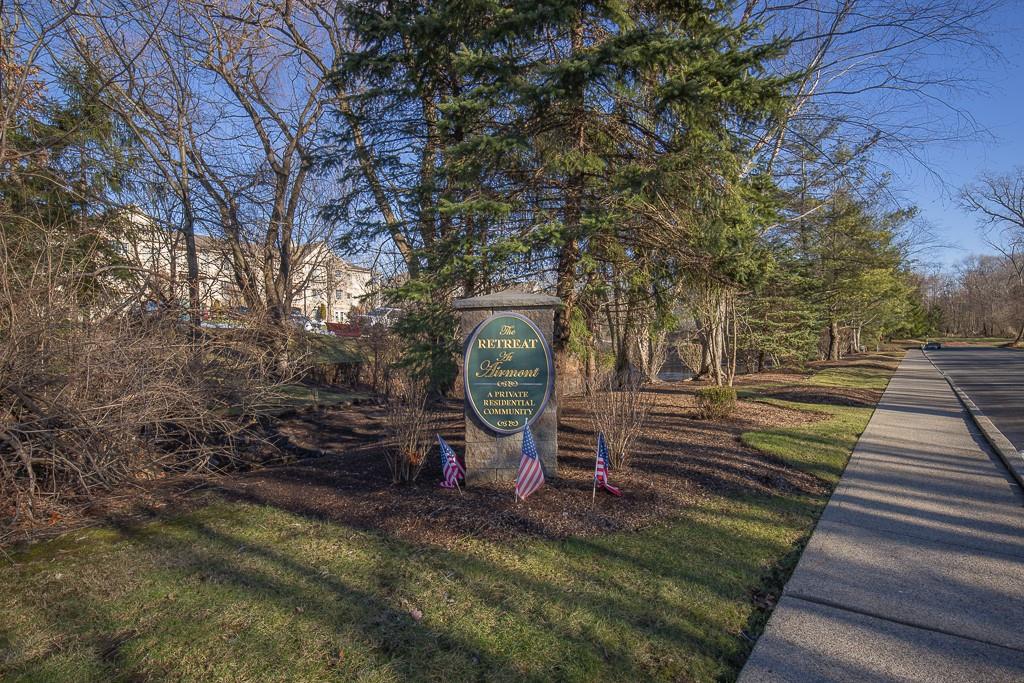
[658, 355]
[565, 286]
[833, 340]
[591, 310]
[641, 344]
[192, 265]
[279, 341]
[729, 311]
[705, 350]
[719, 342]
[368, 168]
[711, 323]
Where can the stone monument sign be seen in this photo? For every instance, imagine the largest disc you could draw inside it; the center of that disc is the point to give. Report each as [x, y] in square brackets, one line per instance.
[509, 382]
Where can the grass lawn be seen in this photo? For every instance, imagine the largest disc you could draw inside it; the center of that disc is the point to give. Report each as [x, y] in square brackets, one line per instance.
[821, 448]
[289, 397]
[866, 375]
[241, 592]
[326, 348]
[293, 396]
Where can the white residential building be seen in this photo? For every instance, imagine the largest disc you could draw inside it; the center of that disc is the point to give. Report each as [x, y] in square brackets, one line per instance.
[328, 287]
[325, 286]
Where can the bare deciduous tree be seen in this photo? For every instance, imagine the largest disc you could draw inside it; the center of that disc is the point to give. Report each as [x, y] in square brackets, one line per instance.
[866, 70]
[227, 101]
[999, 201]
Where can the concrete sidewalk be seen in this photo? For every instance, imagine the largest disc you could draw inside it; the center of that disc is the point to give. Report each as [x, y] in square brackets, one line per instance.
[915, 571]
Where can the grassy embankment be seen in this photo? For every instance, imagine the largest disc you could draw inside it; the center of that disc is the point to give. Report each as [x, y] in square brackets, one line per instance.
[322, 350]
[236, 592]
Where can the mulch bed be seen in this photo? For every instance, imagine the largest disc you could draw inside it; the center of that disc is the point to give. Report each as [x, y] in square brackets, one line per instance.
[339, 472]
[678, 460]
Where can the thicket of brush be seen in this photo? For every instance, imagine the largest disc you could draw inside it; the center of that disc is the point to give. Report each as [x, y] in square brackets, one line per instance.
[96, 394]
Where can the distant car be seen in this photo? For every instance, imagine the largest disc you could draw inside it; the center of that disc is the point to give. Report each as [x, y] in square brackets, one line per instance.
[932, 346]
[384, 316]
[309, 324]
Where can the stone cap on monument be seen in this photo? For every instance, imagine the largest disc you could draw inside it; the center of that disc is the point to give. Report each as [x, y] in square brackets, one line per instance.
[508, 299]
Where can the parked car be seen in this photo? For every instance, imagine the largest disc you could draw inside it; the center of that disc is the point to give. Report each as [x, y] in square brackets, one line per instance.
[384, 316]
[309, 324]
[931, 346]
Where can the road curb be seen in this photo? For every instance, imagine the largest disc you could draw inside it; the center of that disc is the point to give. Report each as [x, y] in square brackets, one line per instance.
[1003, 447]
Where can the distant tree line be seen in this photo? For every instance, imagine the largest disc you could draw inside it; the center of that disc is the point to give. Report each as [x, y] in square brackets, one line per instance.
[984, 295]
[979, 297]
[649, 163]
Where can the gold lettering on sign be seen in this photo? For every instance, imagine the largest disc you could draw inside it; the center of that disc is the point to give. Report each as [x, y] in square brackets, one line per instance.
[506, 343]
[504, 363]
[494, 369]
[508, 403]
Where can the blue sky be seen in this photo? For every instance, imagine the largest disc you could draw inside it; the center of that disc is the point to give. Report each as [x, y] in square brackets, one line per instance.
[997, 105]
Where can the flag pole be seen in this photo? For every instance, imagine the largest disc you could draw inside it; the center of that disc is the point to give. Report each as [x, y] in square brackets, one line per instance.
[593, 494]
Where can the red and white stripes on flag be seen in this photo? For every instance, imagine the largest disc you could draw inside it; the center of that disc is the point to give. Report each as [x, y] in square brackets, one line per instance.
[452, 469]
[530, 476]
[602, 466]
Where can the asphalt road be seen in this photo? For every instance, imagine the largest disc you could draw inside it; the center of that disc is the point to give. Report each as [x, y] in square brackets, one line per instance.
[994, 379]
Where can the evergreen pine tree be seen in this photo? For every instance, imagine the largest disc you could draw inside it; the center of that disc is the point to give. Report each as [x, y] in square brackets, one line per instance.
[530, 138]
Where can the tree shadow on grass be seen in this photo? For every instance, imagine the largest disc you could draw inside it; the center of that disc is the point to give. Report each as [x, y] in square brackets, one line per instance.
[192, 556]
[615, 608]
[856, 398]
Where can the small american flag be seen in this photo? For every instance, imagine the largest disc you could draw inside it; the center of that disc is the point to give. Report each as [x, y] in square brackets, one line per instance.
[450, 466]
[530, 476]
[602, 466]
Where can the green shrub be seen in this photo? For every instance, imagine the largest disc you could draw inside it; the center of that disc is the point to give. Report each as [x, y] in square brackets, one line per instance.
[715, 403]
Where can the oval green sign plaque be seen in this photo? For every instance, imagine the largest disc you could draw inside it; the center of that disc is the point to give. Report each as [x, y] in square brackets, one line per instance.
[508, 372]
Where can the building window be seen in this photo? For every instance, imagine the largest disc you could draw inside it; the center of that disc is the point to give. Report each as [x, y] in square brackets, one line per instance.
[339, 294]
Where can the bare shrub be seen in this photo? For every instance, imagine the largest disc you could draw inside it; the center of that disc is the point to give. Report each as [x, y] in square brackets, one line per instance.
[382, 349]
[619, 408]
[94, 395]
[690, 354]
[411, 425]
